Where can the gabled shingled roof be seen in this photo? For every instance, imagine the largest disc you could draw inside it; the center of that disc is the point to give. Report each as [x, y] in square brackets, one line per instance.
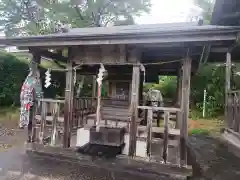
[133, 34]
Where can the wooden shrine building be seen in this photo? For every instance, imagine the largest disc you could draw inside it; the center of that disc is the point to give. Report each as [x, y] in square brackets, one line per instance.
[130, 55]
[227, 13]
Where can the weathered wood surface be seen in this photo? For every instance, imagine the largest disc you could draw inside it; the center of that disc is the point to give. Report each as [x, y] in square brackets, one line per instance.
[134, 104]
[108, 54]
[169, 109]
[149, 133]
[165, 139]
[68, 100]
[160, 130]
[54, 124]
[185, 109]
[227, 84]
[51, 100]
[120, 163]
[233, 111]
[179, 97]
[112, 118]
[36, 60]
[50, 118]
[42, 121]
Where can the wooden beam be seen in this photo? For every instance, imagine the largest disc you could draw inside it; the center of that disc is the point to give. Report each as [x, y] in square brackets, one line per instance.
[227, 85]
[45, 53]
[168, 109]
[68, 102]
[185, 109]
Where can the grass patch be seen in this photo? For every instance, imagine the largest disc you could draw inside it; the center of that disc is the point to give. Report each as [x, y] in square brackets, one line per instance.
[199, 132]
[9, 116]
[206, 126]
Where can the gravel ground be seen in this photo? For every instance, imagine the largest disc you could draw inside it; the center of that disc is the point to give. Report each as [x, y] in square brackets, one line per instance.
[16, 165]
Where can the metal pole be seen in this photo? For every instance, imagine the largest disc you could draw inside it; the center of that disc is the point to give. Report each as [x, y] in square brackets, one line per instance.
[204, 102]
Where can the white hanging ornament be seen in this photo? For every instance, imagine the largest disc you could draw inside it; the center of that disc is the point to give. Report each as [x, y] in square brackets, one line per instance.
[47, 79]
[101, 74]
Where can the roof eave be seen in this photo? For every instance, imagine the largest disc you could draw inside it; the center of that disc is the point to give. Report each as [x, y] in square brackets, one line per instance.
[202, 36]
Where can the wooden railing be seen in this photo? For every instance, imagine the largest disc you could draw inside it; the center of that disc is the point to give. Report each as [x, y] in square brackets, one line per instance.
[167, 111]
[157, 115]
[233, 111]
[50, 115]
[83, 106]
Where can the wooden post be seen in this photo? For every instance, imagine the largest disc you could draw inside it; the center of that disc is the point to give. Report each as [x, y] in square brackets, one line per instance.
[68, 102]
[179, 97]
[235, 113]
[238, 110]
[165, 140]
[149, 133]
[94, 86]
[55, 115]
[32, 120]
[227, 85]
[134, 110]
[43, 121]
[141, 90]
[185, 109]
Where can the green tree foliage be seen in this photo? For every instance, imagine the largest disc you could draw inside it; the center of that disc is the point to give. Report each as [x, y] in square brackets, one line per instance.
[206, 7]
[203, 9]
[12, 74]
[167, 86]
[28, 17]
[211, 78]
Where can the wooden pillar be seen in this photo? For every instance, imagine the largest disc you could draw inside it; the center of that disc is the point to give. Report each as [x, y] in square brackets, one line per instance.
[185, 109]
[94, 86]
[36, 59]
[134, 109]
[149, 132]
[68, 102]
[134, 58]
[179, 97]
[165, 140]
[227, 86]
[141, 89]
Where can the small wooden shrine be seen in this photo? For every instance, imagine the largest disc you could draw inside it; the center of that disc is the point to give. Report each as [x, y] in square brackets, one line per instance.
[129, 56]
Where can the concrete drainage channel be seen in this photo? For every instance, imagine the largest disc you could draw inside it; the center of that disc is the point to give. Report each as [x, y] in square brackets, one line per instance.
[212, 159]
[117, 171]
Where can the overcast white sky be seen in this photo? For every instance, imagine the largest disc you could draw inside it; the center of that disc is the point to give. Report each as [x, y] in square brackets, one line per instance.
[167, 11]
